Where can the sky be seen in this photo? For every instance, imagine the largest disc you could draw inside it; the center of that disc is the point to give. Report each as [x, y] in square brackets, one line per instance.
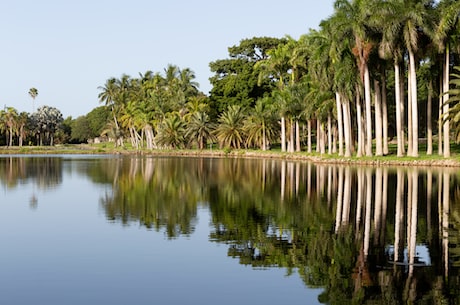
[67, 49]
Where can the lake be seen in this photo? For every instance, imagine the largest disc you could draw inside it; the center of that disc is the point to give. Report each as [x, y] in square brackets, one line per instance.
[79, 229]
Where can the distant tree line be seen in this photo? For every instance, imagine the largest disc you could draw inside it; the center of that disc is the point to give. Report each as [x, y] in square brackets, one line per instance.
[43, 127]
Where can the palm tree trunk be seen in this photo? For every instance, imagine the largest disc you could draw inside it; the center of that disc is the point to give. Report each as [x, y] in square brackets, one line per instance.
[409, 117]
[10, 135]
[283, 134]
[429, 125]
[384, 115]
[264, 137]
[399, 116]
[440, 116]
[334, 139]
[414, 112]
[347, 126]
[339, 122]
[322, 140]
[329, 134]
[318, 135]
[309, 135]
[21, 132]
[297, 136]
[367, 92]
[378, 119]
[402, 113]
[359, 122]
[445, 111]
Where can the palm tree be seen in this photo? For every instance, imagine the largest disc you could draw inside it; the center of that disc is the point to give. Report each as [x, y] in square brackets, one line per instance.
[447, 25]
[323, 53]
[351, 19]
[188, 84]
[260, 125]
[230, 130]
[109, 95]
[454, 103]
[33, 92]
[199, 128]
[10, 117]
[171, 132]
[22, 120]
[414, 15]
[276, 67]
[389, 22]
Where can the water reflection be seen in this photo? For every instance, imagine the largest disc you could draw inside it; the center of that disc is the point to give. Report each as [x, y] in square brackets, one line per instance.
[364, 235]
[42, 173]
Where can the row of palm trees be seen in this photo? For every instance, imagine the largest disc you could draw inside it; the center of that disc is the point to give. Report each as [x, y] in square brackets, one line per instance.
[13, 125]
[168, 111]
[343, 70]
[335, 83]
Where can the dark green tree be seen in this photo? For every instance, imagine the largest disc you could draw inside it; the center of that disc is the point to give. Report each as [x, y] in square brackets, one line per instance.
[235, 80]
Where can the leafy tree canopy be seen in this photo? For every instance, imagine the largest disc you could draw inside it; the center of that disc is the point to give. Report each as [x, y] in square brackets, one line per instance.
[236, 80]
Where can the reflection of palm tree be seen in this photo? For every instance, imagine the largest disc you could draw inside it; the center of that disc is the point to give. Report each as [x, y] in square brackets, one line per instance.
[399, 213]
[445, 222]
[33, 201]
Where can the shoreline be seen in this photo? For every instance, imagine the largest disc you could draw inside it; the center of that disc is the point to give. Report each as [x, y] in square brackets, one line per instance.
[426, 161]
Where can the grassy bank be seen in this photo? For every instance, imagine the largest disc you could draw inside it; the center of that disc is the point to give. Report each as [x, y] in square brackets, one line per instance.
[107, 148]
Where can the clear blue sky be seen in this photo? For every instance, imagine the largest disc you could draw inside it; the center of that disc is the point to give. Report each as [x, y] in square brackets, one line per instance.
[67, 49]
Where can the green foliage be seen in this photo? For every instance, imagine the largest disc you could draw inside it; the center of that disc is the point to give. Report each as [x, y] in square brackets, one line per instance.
[45, 122]
[171, 132]
[97, 120]
[236, 79]
[230, 130]
[81, 130]
[454, 104]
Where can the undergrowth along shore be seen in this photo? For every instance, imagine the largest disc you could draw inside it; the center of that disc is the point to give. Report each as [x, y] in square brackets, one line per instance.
[389, 160]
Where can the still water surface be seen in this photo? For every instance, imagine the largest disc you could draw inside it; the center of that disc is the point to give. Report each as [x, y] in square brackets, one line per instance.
[141, 230]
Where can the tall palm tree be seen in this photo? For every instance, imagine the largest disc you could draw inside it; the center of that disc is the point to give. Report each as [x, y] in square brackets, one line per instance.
[324, 52]
[351, 19]
[276, 68]
[446, 35]
[33, 92]
[188, 84]
[109, 95]
[414, 16]
[10, 117]
[388, 21]
[22, 120]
